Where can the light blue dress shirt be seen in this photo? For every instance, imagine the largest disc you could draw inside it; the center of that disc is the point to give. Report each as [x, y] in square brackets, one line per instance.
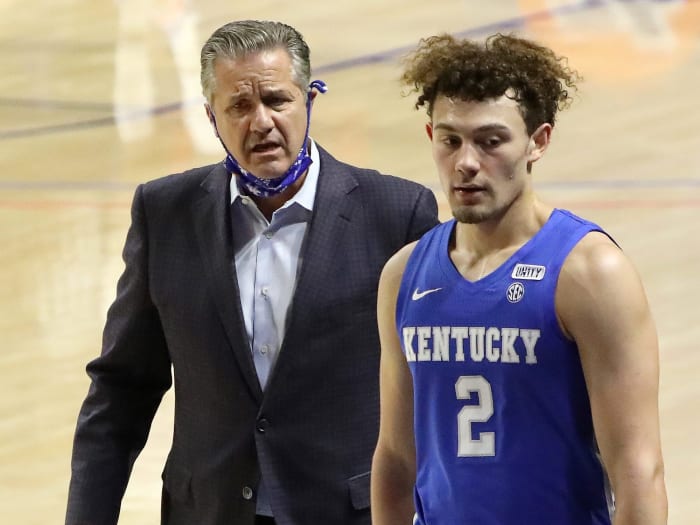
[268, 260]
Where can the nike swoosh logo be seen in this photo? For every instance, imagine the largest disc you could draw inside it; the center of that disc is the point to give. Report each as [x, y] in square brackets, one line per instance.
[419, 295]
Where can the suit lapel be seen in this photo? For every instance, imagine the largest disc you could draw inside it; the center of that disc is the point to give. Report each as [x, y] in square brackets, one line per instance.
[333, 211]
[213, 231]
[334, 207]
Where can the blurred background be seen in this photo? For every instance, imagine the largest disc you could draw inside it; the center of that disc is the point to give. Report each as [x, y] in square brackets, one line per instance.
[96, 97]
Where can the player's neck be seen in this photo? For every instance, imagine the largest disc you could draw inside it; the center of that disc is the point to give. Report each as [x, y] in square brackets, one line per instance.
[478, 249]
[514, 228]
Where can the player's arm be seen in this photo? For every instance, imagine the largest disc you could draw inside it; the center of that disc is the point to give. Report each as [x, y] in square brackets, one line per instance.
[394, 463]
[602, 305]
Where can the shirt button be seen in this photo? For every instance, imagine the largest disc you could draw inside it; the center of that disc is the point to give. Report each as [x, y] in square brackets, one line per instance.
[265, 290]
[262, 425]
[264, 349]
[268, 235]
[247, 493]
[245, 200]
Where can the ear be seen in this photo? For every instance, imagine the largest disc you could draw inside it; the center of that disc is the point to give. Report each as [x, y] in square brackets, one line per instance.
[212, 119]
[539, 141]
[429, 130]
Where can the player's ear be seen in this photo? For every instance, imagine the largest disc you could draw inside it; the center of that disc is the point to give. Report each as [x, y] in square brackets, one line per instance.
[429, 130]
[539, 141]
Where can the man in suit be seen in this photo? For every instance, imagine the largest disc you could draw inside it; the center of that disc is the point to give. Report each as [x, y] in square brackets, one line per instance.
[254, 281]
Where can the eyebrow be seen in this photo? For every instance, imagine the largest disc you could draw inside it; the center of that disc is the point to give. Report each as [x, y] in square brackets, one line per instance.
[486, 128]
[274, 91]
[265, 92]
[238, 95]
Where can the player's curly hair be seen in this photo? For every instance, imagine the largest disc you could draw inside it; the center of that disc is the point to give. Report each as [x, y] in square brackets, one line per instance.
[538, 79]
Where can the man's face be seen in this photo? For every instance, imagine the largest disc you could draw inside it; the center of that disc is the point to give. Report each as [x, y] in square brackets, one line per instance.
[481, 150]
[260, 112]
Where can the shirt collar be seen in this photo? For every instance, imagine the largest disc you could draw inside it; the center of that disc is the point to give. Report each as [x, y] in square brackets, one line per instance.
[307, 193]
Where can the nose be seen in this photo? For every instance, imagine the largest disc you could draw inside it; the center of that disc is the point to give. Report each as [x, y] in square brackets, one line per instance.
[261, 121]
[468, 160]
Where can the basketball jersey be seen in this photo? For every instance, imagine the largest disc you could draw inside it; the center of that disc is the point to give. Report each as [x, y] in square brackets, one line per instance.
[503, 426]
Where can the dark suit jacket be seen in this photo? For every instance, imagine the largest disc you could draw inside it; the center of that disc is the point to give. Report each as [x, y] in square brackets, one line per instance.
[312, 433]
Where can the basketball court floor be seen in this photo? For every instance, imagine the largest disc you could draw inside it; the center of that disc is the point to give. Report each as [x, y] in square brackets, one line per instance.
[96, 97]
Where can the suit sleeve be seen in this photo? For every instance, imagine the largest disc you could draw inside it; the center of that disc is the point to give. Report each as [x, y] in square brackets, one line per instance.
[128, 382]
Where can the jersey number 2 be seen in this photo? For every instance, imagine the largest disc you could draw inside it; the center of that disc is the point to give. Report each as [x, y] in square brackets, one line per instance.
[485, 442]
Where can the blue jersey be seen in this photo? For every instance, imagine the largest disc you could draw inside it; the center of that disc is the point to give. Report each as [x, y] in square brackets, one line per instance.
[503, 426]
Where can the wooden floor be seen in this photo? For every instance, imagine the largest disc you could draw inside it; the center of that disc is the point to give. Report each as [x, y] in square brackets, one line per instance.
[96, 97]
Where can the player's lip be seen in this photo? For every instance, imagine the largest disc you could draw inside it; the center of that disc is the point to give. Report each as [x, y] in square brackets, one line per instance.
[469, 188]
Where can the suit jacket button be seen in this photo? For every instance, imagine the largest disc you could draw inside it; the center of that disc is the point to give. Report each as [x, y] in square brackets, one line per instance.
[247, 492]
[262, 425]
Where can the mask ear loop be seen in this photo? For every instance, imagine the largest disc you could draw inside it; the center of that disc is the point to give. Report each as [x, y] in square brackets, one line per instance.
[319, 85]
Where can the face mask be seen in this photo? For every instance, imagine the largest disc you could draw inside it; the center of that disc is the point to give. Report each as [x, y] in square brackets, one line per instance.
[268, 187]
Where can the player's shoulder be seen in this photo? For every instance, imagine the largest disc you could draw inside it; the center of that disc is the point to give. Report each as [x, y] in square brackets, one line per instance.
[394, 268]
[598, 287]
[595, 256]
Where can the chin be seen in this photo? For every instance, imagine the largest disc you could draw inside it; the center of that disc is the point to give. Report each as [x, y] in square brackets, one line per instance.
[272, 169]
[470, 215]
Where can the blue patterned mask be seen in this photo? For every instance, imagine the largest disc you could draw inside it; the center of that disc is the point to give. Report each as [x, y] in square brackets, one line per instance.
[268, 187]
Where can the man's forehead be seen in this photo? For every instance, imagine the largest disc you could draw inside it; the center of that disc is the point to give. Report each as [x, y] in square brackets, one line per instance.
[454, 115]
[263, 87]
[248, 83]
[454, 109]
[507, 100]
[277, 59]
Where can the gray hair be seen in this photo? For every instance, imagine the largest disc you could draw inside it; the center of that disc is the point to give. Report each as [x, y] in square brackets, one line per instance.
[240, 38]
